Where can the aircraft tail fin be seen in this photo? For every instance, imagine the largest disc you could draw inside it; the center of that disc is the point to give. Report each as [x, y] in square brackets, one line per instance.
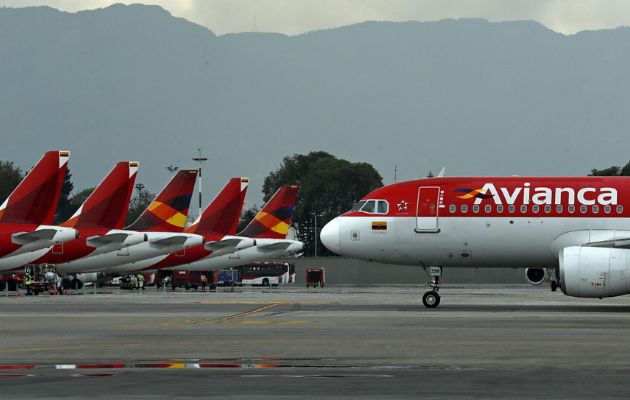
[108, 204]
[222, 214]
[35, 199]
[275, 217]
[169, 210]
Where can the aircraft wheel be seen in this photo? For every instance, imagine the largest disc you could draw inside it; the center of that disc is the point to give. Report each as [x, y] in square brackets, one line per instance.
[431, 299]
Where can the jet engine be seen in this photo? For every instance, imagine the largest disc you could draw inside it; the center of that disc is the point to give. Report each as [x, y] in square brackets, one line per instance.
[594, 271]
[536, 276]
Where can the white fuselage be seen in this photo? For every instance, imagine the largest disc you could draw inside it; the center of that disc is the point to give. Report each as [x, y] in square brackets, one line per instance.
[129, 254]
[245, 256]
[468, 242]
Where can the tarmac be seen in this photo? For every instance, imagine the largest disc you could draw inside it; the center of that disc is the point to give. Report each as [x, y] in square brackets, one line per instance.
[491, 341]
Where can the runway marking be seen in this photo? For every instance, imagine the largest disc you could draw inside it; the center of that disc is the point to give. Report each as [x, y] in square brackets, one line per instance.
[236, 316]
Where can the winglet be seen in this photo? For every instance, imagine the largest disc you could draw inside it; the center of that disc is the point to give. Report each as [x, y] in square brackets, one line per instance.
[222, 214]
[34, 200]
[275, 217]
[169, 210]
[108, 204]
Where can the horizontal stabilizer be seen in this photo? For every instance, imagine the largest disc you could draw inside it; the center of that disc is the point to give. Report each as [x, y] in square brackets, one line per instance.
[98, 241]
[223, 244]
[23, 238]
[170, 241]
[274, 246]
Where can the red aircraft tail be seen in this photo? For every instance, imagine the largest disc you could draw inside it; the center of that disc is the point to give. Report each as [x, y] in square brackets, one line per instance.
[35, 199]
[275, 217]
[222, 214]
[108, 204]
[169, 210]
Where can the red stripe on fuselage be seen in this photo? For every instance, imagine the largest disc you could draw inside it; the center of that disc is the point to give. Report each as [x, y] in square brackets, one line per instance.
[506, 191]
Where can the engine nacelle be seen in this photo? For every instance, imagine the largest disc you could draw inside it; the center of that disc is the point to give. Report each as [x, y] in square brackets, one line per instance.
[536, 276]
[594, 271]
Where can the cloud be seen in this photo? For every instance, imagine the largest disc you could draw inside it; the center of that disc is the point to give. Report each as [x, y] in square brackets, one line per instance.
[298, 16]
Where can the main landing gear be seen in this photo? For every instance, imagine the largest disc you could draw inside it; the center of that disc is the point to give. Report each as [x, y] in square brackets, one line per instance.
[431, 299]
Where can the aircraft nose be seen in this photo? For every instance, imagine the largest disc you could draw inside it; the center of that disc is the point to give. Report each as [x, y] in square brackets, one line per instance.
[330, 235]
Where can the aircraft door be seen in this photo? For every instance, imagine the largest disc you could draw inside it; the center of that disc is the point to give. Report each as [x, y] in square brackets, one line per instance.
[427, 209]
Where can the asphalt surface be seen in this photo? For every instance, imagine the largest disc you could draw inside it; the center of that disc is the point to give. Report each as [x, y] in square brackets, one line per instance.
[336, 342]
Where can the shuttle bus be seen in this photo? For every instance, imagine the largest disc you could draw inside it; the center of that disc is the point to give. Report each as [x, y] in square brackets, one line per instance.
[266, 273]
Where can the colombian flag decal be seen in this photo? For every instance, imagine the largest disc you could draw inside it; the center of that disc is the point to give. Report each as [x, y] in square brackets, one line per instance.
[379, 225]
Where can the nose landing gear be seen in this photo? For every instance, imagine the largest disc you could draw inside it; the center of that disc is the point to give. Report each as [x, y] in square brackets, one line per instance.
[431, 299]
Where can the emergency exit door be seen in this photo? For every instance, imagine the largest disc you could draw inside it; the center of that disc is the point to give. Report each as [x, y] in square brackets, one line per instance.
[427, 209]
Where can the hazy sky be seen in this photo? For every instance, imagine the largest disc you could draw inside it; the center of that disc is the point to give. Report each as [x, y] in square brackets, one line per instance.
[297, 16]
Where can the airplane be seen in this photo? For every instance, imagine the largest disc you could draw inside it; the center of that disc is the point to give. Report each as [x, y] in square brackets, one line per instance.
[573, 229]
[268, 229]
[161, 224]
[217, 223]
[99, 222]
[27, 214]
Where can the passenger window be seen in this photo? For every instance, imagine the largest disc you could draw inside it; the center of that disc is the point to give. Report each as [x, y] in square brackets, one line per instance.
[607, 209]
[571, 209]
[475, 209]
[559, 209]
[464, 208]
[512, 208]
[382, 207]
[488, 208]
[535, 208]
[595, 209]
[619, 209]
[583, 209]
[499, 208]
[358, 206]
[547, 209]
[524, 208]
[369, 207]
[452, 208]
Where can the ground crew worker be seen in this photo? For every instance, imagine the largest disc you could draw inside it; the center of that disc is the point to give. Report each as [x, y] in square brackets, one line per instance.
[204, 281]
[140, 281]
[28, 283]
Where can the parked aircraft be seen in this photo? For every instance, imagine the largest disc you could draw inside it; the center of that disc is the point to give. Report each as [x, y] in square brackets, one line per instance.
[99, 221]
[27, 214]
[217, 223]
[576, 229]
[161, 224]
[268, 229]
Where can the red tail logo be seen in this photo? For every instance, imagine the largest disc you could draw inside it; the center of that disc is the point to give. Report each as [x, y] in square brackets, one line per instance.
[35, 199]
[169, 210]
[108, 204]
[222, 214]
[274, 219]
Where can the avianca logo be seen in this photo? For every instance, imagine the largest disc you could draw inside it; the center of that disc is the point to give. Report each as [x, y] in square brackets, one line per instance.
[541, 195]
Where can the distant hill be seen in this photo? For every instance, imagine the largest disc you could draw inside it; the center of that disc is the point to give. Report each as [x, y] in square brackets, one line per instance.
[133, 82]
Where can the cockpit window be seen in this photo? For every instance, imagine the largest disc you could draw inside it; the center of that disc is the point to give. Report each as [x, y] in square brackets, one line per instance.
[372, 206]
[358, 206]
[369, 206]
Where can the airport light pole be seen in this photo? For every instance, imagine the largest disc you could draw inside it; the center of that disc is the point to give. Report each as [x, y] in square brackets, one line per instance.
[200, 160]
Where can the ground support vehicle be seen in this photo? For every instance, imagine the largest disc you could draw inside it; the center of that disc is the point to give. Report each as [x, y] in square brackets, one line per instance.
[315, 277]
